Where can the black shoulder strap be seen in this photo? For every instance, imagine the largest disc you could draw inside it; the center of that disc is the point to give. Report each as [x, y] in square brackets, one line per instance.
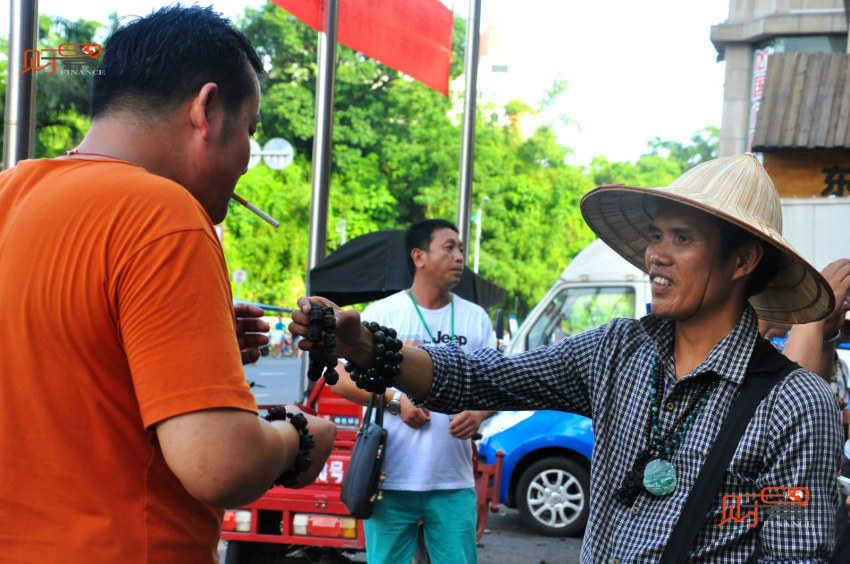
[379, 412]
[767, 367]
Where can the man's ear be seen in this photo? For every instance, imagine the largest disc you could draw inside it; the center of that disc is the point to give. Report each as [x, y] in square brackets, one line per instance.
[747, 257]
[201, 108]
[417, 255]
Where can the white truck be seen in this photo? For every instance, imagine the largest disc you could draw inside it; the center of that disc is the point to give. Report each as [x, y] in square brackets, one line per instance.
[545, 469]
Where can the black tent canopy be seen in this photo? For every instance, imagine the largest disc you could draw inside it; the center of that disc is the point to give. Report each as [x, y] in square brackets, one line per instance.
[374, 266]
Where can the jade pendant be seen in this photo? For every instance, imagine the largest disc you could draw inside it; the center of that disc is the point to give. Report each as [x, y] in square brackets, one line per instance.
[659, 477]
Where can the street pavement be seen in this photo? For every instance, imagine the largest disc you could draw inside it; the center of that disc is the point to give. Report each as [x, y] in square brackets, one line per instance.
[276, 380]
[508, 541]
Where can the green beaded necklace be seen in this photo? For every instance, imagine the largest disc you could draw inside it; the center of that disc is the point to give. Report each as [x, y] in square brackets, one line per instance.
[659, 476]
[433, 340]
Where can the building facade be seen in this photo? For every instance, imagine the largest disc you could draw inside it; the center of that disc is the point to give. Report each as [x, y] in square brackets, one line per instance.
[756, 30]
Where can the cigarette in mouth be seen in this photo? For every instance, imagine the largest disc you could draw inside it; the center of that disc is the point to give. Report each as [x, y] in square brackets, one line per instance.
[266, 217]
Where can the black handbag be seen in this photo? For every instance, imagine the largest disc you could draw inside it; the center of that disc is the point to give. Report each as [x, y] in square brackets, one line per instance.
[364, 474]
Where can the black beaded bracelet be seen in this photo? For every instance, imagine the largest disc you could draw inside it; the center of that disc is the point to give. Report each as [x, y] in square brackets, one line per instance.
[387, 356]
[302, 462]
[322, 360]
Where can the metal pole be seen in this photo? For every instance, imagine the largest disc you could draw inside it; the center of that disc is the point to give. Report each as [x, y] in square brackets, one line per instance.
[467, 150]
[318, 244]
[19, 126]
[322, 138]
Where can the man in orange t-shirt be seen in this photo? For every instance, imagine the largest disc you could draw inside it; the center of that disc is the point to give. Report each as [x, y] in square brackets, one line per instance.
[123, 440]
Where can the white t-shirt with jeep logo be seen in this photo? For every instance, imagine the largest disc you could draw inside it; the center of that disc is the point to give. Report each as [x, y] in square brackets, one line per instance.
[429, 458]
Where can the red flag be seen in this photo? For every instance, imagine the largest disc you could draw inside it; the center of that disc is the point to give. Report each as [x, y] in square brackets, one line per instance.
[411, 36]
[308, 11]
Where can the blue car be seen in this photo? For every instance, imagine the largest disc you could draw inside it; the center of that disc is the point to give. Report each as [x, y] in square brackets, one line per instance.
[546, 467]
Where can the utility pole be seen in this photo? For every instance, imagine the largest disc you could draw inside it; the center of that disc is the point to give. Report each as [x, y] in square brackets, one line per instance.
[467, 149]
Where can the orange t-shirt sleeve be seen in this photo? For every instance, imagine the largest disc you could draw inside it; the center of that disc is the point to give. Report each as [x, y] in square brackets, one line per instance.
[178, 330]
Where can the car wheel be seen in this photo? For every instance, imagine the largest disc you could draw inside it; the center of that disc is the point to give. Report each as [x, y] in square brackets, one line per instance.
[553, 497]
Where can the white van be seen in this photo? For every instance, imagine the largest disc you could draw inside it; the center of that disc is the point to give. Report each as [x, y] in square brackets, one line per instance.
[597, 286]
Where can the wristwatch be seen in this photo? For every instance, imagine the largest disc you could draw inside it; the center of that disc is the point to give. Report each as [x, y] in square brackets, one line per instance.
[394, 405]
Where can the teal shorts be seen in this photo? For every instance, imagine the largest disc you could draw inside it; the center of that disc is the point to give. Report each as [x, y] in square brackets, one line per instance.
[448, 517]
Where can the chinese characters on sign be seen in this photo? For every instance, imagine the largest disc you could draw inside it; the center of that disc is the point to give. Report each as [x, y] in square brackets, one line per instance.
[74, 58]
[332, 472]
[837, 180]
[810, 173]
[785, 503]
[757, 88]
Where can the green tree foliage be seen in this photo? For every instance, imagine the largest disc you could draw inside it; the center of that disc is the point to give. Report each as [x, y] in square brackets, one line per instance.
[62, 100]
[273, 258]
[395, 151]
[395, 159]
[665, 161]
[703, 148]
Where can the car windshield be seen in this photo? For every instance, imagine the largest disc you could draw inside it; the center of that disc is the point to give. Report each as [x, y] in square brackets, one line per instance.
[578, 309]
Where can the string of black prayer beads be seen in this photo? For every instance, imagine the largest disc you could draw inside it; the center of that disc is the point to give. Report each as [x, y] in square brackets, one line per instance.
[386, 353]
[320, 332]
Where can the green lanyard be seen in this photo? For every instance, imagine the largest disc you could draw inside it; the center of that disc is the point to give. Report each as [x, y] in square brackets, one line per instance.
[433, 340]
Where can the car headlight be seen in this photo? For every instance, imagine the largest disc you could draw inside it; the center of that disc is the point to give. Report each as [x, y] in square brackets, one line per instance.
[502, 421]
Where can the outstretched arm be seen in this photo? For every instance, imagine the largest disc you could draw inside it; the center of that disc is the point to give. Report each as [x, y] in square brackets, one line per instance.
[447, 380]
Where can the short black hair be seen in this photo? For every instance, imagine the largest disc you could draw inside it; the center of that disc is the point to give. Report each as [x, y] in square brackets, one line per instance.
[419, 235]
[153, 64]
[733, 238]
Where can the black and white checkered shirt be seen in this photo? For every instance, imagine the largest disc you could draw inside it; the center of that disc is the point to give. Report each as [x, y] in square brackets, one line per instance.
[793, 440]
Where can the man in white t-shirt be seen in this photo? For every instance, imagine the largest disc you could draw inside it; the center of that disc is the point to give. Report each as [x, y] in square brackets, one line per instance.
[428, 464]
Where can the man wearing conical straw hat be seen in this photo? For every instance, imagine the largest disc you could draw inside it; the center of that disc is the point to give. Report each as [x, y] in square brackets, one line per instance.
[659, 388]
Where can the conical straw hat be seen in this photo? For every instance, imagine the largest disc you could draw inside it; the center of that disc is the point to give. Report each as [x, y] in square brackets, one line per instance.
[736, 189]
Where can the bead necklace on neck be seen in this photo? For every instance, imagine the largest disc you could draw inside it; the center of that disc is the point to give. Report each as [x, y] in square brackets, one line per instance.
[659, 477]
[422, 318]
[652, 469]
